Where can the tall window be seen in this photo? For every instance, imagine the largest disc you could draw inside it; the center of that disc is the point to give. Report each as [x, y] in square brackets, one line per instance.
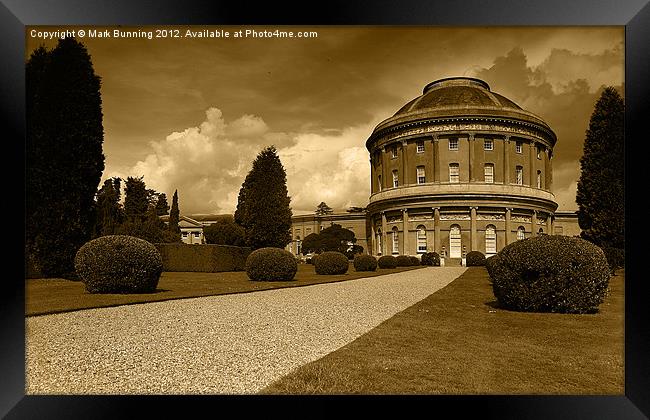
[488, 144]
[453, 144]
[453, 173]
[539, 179]
[422, 239]
[490, 239]
[298, 245]
[395, 178]
[518, 147]
[395, 241]
[489, 173]
[420, 146]
[393, 152]
[379, 241]
[455, 243]
[520, 175]
[379, 181]
[420, 174]
[521, 233]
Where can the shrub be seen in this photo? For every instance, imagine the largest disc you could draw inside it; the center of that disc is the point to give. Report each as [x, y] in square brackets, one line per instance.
[119, 264]
[271, 264]
[550, 273]
[202, 258]
[365, 262]
[415, 261]
[387, 261]
[475, 259]
[224, 232]
[403, 260]
[431, 258]
[331, 262]
[615, 257]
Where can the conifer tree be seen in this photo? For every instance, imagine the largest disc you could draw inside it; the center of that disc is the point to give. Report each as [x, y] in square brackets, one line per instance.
[174, 215]
[64, 154]
[263, 207]
[600, 195]
[109, 210]
[323, 209]
[162, 207]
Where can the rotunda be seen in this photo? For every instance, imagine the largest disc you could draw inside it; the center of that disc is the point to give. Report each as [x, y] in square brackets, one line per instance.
[457, 169]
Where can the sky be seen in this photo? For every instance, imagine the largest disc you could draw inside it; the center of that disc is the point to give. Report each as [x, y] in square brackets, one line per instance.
[191, 114]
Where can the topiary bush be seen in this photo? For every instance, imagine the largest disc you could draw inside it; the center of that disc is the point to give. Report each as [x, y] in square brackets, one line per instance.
[431, 258]
[271, 264]
[119, 264]
[403, 260]
[332, 262]
[415, 261]
[615, 257]
[387, 261]
[475, 259]
[365, 262]
[550, 273]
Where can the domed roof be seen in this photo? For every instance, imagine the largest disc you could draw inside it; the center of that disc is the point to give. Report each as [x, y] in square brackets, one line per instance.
[456, 97]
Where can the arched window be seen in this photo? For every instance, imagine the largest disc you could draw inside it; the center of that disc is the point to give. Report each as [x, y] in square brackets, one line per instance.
[541, 231]
[379, 241]
[422, 239]
[395, 241]
[454, 242]
[521, 233]
[490, 239]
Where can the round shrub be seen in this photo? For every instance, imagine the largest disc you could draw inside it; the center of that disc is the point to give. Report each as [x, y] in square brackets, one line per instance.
[403, 260]
[332, 262]
[365, 262]
[431, 258]
[271, 264]
[550, 273]
[414, 261]
[119, 264]
[387, 261]
[475, 259]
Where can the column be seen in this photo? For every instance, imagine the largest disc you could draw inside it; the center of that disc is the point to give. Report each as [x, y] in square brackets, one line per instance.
[405, 169]
[405, 228]
[472, 172]
[384, 234]
[436, 229]
[508, 226]
[506, 161]
[372, 176]
[533, 160]
[473, 229]
[549, 224]
[436, 159]
[371, 242]
[533, 222]
[384, 169]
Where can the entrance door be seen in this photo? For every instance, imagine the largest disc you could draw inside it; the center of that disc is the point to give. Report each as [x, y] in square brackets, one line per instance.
[454, 242]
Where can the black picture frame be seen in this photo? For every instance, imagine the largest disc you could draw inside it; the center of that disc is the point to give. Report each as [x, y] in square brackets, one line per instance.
[633, 14]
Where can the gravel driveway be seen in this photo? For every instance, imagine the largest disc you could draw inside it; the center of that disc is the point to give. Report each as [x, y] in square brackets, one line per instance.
[229, 344]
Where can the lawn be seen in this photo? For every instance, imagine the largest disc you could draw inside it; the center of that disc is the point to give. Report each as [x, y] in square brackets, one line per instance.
[458, 341]
[47, 296]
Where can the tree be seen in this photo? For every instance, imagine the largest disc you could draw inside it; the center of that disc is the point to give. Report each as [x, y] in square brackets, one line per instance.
[600, 194]
[323, 209]
[64, 158]
[136, 200]
[263, 206]
[162, 207]
[174, 215]
[333, 238]
[224, 232]
[110, 214]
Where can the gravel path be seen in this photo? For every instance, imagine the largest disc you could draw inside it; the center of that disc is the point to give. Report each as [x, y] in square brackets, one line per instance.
[229, 344]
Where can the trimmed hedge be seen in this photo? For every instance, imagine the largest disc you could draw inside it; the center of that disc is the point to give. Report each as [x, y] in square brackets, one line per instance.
[615, 257]
[387, 261]
[365, 262]
[204, 258]
[415, 261]
[119, 264]
[403, 260]
[550, 273]
[475, 259]
[271, 264]
[431, 258]
[331, 262]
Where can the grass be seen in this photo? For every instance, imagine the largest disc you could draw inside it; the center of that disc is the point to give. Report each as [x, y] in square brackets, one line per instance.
[48, 296]
[458, 341]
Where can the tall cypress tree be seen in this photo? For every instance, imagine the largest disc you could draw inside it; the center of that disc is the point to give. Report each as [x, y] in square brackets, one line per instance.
[174, 214]
[162, 207]
[64, 154]
[263, 207]
[600, 195]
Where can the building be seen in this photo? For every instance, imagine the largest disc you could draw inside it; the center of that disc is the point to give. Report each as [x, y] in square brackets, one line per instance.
[457, 169]
[192, 226]
[304, 225]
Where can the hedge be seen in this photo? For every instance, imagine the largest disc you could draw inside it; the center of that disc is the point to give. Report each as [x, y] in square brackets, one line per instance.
[387, 261]
[431, 258]
[203, 258]
[550, 273]
[331, 262]
[475, 259]
[271, 264]
[365, 262]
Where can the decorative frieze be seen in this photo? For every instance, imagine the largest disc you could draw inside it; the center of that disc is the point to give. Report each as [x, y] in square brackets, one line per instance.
[394, 219]
[420, 217]
[490, 217]
[450, 216]
[522, 219]
[436, 128]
